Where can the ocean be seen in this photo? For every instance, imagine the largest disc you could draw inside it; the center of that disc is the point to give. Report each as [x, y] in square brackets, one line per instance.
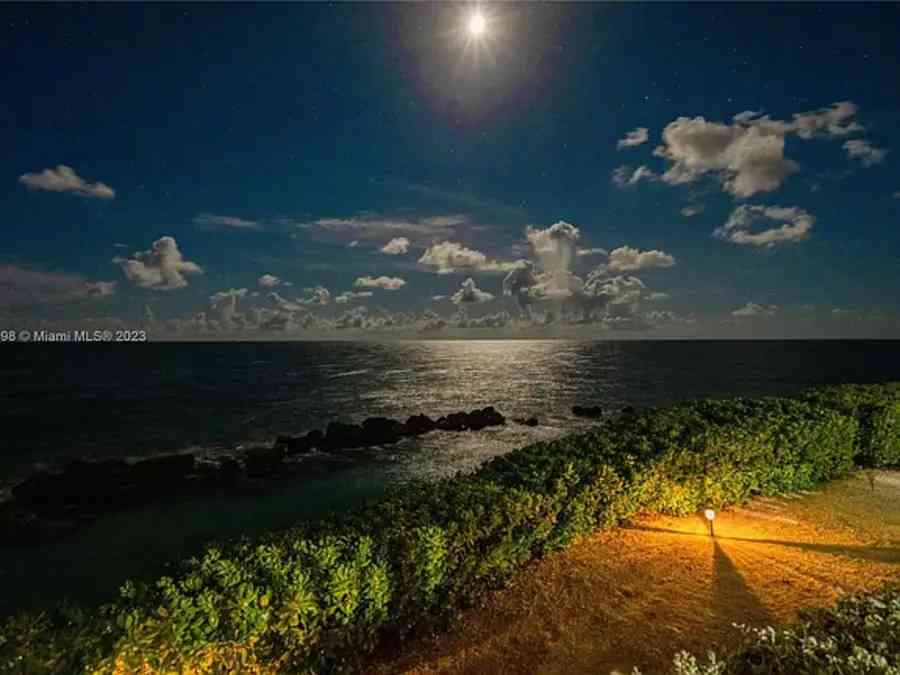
[63, 401]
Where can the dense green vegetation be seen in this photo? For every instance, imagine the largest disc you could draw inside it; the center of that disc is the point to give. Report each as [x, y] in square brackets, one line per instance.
[315, 598]
[859, 636]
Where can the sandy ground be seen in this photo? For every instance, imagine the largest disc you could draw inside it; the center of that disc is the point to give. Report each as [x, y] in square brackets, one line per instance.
[636, 595]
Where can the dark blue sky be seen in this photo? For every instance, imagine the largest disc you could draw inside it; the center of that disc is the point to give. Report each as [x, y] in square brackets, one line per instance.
[184, 151]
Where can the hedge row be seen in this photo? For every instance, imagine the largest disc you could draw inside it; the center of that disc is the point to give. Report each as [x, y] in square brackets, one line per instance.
[859, 636]
[317, 597]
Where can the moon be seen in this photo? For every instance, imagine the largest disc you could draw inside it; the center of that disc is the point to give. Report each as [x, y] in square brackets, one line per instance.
[477, 25]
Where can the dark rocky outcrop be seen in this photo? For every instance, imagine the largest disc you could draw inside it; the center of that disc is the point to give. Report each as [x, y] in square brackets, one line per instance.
[628, 410]
[47, 505]
[587, 411]
[419, 424]
[161, 474]
[471, 421]
[299, 445]
[527, 421]
[259, 462]
[382, 431]
[101, 486]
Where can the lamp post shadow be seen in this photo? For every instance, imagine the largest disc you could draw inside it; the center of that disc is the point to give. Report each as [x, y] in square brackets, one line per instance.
[733, 601]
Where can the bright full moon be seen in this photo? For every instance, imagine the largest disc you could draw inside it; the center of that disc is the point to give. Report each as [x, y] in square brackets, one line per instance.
[477, 25]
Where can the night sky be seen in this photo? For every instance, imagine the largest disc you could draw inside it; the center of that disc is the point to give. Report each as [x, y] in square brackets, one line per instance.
[313, 170]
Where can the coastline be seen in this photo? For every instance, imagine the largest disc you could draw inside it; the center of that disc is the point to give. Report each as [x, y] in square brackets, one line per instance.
[421, 554]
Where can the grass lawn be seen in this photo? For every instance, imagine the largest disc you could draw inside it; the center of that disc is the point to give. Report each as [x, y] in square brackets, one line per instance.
[633, 596]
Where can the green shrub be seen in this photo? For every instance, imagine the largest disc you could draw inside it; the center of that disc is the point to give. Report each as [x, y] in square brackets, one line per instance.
[316, 597]
[859, 636]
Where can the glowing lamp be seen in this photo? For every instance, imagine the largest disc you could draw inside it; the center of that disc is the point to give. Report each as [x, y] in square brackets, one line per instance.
[710, 518]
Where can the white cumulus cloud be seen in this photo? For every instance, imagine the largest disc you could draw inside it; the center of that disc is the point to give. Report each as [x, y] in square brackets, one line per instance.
[628, 259]
[269, 281]
[349, 296]
[162, 268]
[469, 293]
[447, 257]
[387, 283]
[396, 246]
[793, 224]
[633, 138]
[64, 179]
[692, 210]
[624, 176]
[747, 155]
[754, 309]
[865, 152]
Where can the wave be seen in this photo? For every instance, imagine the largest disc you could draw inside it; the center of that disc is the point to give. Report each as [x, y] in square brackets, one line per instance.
[350, 373]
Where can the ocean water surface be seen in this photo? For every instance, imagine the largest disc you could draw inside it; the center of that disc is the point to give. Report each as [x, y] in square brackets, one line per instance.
[62, 401]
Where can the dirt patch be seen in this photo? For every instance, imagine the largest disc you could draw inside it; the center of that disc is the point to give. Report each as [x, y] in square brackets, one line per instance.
[636, 595]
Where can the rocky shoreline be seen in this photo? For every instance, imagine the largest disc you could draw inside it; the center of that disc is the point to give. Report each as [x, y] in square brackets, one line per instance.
[49, 505]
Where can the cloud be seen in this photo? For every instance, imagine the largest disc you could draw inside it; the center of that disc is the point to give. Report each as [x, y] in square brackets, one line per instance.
[749, 159]
[387, 283]
[753, 309]
[500, 319]
[269, 281]
[865, 152]
[225, 304]
[581, 252]
[633, 138]
[349, 296]
[396, 246]
[23, 287]
[747, 155]
[447, 257]
[212, 221]
[624, 176]
[617, 290]
[628, 259]
[795, 225]
[658, 297]
[373, 228]
[554, 247]
[319, 295]
[162, 268]
[692, 210]
[830, 122]
[470, 293]
[353, 244]
[64, 179]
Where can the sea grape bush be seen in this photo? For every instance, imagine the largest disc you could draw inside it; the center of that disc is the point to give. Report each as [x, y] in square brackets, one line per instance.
[317, 597]
[859, 636]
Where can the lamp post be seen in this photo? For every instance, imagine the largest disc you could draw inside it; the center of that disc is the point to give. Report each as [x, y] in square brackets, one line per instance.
[710, 518]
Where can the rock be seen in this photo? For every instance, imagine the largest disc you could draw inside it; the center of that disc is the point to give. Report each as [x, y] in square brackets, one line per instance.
[486, 417]
[263, 461]
[95, 486]
[158, 475]
[628, 410]
[475, 420]
[229, 472]
[458, 421]
[527, 421]
[296, 445]
[419, 424]
[315, 438]
[341, 436]
[381, 431]
[587, 411]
